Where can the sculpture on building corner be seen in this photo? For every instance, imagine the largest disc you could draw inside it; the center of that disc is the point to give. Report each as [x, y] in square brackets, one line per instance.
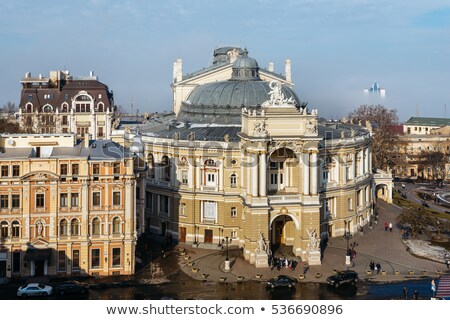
[313, 243]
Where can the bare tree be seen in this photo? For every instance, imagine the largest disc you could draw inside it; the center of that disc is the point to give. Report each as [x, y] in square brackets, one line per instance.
[9, 107]
[385, 145]
[10, 127]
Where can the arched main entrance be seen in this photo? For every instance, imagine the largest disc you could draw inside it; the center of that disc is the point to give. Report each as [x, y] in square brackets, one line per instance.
[282, 230]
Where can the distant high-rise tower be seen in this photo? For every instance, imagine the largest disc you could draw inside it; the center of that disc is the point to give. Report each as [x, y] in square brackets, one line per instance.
[376, 90]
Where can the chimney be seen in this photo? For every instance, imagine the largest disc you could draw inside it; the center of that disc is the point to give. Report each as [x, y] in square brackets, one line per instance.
[179, 70]
[287, 70]
[28, 75]
[91, 73]
[40, 76]
[87, 137]
[270, 67]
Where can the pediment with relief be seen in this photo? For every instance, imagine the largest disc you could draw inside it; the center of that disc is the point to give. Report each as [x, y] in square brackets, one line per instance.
[40, 176]
[40, 243]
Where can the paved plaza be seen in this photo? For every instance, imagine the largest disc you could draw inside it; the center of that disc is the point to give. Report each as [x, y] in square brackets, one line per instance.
[376, 244]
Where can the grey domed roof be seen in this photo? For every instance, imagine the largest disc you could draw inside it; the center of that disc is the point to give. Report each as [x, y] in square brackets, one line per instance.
[221, 102]
[234, 94]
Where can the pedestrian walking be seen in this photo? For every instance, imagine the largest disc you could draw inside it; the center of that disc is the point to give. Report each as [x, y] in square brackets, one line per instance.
[385, 226]
[372, 265]
[390, 226]
[416, 295]
[378, 266]
[405, 292]
[433, 288]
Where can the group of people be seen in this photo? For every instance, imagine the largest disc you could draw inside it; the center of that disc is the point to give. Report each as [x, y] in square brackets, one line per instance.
[281, 263]
[387, 225]
[375, 267]
[405, 293]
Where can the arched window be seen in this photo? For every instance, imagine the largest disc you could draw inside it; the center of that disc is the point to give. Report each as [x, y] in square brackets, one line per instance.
[83, 103]
[4, 232]
[63, 227]
[16, 229]
[233, 180]
[96, 226]
[116, 225]
[210, 163]
[100, 107]
[47, 108]
[74, 227]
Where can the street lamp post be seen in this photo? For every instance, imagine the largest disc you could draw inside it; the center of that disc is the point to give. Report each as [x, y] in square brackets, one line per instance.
[226, 241]
[347, 236]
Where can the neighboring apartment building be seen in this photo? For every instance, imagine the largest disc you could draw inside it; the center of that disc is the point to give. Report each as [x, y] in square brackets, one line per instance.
[424, 149]
[63, 103]
[66, 208]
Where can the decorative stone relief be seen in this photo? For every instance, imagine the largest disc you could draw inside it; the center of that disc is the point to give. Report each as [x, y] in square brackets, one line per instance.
[313, 241]
[276, 96]
[311, 127]
[260, 129]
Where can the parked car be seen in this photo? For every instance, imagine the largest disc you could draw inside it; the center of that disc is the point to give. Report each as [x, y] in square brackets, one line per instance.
[34, 289]
[341, 277]
[281, 281]
[69, 287]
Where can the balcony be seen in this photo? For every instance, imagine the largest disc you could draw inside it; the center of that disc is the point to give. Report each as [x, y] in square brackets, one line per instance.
[284, 199]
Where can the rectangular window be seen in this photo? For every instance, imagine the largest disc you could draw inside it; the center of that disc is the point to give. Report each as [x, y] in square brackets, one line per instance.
[149, 200]
[183, 209]
[100, 132]
[63, 200]
[15, 229]
[116, 168]
[116, 198]
[64, 169]
[233, 212]
[75, 169]
[16, 261]
[76, 259]
[96, 168]
[74, 200]
[210, 210]
[40, 200]
[116, 257]
[5, 171]
[96, 199]
[15, 201]
[16, 170]
[233, 234]
[95, 258]
[4, 203]
[61, 260]
[211, 179]
[164, 204]
[64, 120]
[184, 177]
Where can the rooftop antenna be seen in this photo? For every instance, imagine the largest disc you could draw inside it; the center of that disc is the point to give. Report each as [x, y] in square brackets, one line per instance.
[417, 110]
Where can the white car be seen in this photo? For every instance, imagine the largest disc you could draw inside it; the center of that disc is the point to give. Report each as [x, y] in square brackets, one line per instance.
[34, 289]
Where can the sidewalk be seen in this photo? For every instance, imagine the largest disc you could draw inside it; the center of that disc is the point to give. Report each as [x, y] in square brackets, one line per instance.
[381, 246]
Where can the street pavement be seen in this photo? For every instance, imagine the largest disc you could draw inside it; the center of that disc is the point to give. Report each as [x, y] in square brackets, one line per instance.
[384, 247]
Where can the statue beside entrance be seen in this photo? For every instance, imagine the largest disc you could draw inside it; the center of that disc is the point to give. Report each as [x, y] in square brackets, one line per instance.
[262, 256]
[313, 251]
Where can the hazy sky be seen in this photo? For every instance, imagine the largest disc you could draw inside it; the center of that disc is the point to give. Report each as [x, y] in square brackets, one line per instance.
[337, 48]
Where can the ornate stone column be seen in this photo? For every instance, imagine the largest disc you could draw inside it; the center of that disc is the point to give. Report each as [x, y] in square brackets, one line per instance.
[254, 175]
[314, 174]
[306, 173]
[262, 175]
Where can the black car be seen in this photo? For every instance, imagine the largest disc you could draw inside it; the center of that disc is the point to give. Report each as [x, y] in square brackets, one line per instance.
[281, 282]
[69, 287]
[341, 277]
